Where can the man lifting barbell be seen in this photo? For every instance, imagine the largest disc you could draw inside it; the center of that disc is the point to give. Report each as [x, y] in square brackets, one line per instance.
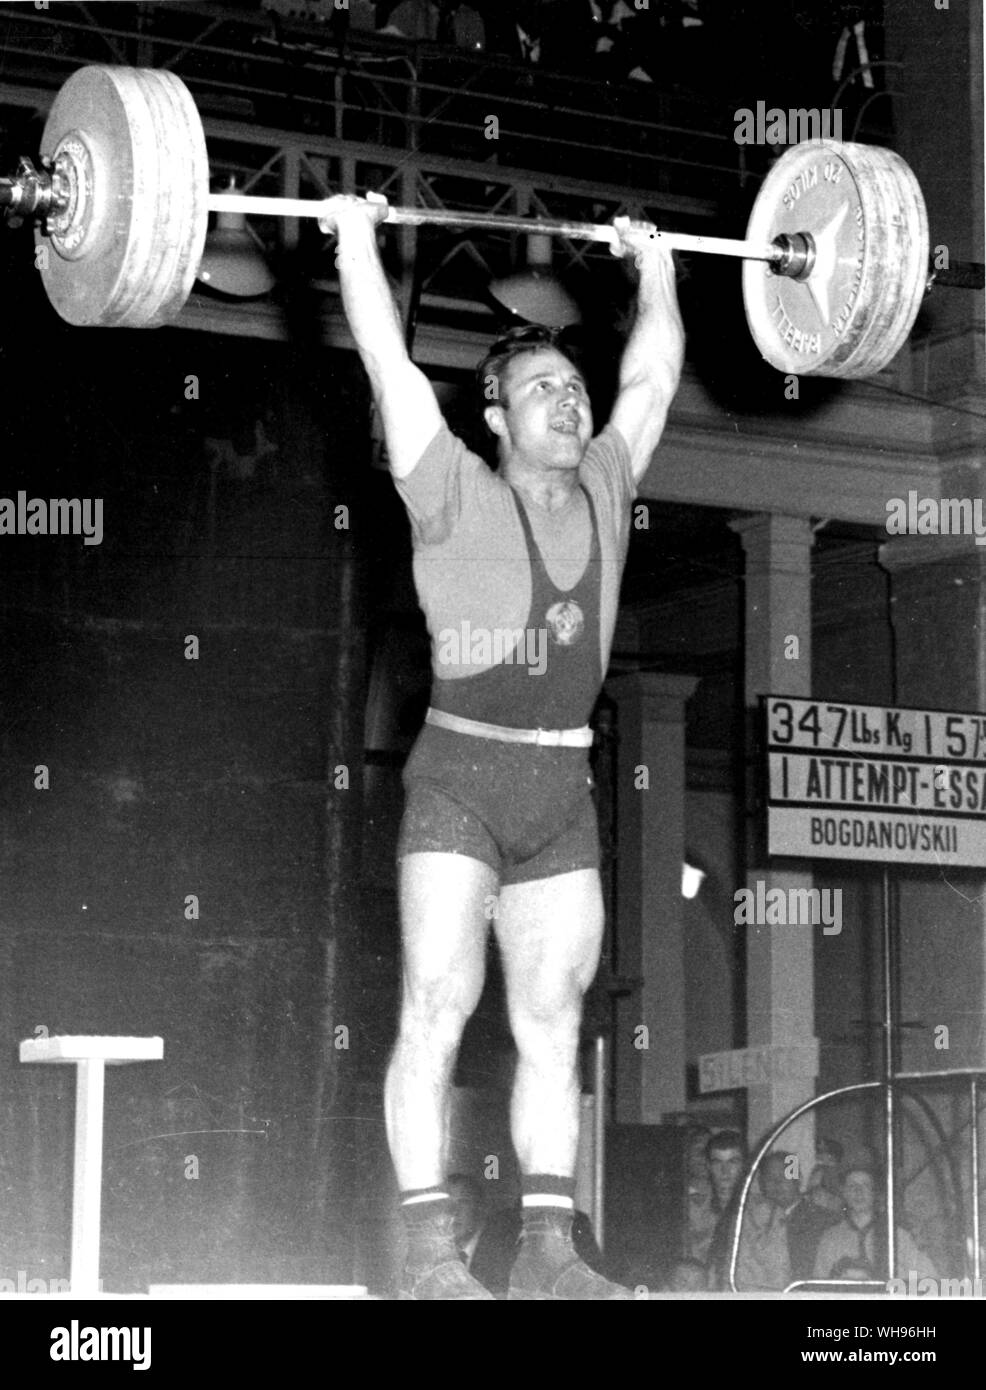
[498, 807]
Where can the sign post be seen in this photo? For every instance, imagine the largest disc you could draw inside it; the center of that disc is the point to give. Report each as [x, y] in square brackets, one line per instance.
[880, 784]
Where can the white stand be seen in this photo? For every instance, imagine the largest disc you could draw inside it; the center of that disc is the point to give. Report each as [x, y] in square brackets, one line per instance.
[90, 1056]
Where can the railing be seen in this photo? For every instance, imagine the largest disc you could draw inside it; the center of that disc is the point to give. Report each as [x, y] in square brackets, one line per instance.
[974, 1078]
[377, 90]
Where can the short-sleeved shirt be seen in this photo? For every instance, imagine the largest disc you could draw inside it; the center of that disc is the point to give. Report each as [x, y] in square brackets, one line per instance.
[471, 561]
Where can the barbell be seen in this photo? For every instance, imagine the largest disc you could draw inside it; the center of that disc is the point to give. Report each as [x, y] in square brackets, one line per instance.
[835, 257]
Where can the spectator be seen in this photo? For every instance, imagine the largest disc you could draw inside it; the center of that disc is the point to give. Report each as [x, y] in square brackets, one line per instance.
[486, 1236]
[698, 1143]
[686, 1276]
[727, 1158]
[726, 1155]
[807, 1222]
[362, 15]
[804, 1221]
[527, 24]
[854, 1269]
[849, 1268]
[701, 1217]
[824, 1187]
[463, 26]
[413, 19]
[626, 40]
[862, 1236]
[764, 1260]
[469, 1213]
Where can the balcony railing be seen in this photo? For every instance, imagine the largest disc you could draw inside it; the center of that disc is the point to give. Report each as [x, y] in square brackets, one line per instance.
[376, 89]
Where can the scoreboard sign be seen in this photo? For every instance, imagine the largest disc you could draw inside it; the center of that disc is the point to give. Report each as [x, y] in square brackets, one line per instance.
[895, 786]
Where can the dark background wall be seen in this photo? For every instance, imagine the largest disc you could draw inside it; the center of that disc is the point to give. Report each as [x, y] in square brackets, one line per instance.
[216, 777]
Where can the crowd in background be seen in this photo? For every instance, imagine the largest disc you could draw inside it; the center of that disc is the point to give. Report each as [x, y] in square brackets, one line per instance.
[829, 1227]
[733, 51]
[590, 38]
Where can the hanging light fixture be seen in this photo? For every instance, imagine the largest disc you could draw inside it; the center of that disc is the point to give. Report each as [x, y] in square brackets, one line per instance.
[534, 295]
[233, 262]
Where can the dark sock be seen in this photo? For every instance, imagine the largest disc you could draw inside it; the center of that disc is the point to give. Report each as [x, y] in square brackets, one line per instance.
[545, 1194]
[548, 1264]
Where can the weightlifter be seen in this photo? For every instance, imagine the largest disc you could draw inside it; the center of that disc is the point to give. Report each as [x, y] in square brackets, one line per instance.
[509, 565]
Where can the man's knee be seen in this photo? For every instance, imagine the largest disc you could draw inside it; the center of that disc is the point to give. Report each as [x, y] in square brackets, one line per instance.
[547, 1031]
[434, 1012]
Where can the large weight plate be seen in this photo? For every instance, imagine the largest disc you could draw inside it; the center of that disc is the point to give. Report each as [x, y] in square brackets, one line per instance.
[130, 146]
[852, 315]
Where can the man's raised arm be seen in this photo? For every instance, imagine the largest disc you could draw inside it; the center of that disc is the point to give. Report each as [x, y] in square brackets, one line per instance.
[403, 394]
[651, 364]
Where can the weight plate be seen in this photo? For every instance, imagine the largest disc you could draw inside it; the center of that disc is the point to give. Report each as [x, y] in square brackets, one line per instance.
[864, 209]
[128, 146]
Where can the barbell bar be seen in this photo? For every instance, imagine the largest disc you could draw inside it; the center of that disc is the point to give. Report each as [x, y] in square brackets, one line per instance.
[30, 194]
[499, 222]
[835, 256]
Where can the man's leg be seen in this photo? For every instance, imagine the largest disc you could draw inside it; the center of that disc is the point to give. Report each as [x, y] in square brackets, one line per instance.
[444, 928]
[550, 932]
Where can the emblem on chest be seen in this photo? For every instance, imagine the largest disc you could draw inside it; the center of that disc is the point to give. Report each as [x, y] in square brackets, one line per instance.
[566, 623]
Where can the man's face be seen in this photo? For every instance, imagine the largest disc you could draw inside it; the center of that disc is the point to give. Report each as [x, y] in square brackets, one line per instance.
[823, 1184]
[725, 1166]
[857, 1191]
[775, 1185]
[544, 416]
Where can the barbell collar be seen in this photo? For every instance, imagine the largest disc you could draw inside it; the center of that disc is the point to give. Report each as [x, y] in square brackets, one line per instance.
[30, 195]
[797, 252]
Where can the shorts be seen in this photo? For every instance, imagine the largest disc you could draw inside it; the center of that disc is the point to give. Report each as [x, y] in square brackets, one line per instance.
[525, 811]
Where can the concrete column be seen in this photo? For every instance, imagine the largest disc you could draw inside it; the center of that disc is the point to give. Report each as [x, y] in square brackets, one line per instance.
[938, 608]
[648, 935]
[780, 992]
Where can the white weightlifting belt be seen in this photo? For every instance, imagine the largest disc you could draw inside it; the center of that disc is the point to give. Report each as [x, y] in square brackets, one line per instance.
[544, 738]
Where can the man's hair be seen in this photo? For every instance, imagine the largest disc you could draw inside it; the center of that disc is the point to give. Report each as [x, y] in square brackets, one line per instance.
[518, 341]
[829, 1147]
[725, 1139]
[775, 1157]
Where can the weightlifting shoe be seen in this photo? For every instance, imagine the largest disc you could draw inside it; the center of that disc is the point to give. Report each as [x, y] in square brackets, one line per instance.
[548, 1268]
[434, 1271]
